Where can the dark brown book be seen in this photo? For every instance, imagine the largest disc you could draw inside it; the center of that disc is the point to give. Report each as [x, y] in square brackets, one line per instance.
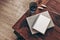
[21, 26]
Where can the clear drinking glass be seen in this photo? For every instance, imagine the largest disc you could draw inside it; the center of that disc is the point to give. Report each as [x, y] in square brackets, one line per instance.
[32, 7]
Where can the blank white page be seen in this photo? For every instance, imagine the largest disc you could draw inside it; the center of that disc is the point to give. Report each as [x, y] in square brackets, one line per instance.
[41, 24]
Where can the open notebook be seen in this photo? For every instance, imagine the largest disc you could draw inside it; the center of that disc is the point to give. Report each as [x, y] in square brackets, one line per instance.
[32, 19]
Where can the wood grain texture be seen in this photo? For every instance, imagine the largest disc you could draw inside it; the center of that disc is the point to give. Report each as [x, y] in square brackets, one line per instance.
[10, 12]
[51, 34]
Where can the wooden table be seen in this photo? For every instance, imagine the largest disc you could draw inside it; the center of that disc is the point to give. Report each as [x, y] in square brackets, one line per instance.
[22, 27]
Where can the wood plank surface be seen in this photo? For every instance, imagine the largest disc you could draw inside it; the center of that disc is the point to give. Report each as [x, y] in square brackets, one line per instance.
[10, 12]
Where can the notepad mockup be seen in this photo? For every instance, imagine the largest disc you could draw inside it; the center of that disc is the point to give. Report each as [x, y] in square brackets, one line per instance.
[32, 19]
[41, 24]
